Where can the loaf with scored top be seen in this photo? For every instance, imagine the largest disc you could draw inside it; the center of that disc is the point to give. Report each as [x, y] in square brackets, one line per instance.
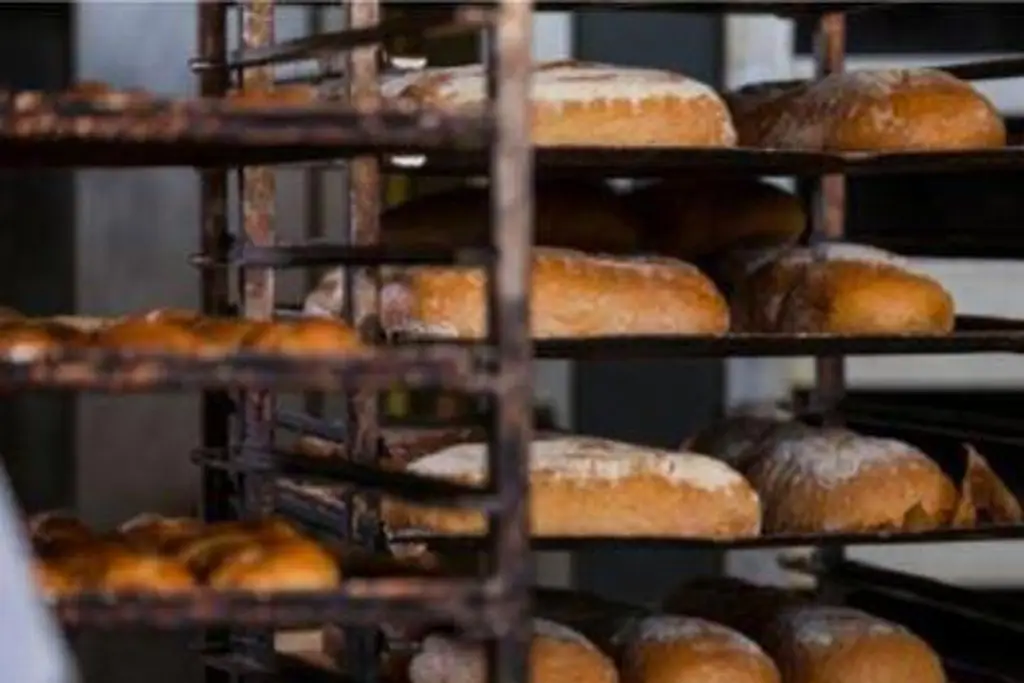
[582, 486]
[587, 104]
[867, 110]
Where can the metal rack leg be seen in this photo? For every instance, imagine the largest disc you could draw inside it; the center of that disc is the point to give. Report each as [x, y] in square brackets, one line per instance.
[829, 223]
[508, 51]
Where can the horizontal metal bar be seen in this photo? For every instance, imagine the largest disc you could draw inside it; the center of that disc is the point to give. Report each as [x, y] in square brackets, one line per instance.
[332, 254]
[379, 370]
[461, 19]
[357, 602]
[331, 430]
[411, 487]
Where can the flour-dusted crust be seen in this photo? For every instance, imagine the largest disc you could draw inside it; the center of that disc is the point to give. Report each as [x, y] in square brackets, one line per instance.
[841, 645]
[869, 110]
[582, 486]
[832, 480]
[839, 289]
[572, 295]
[558, 654]
[580, 103]
[680, 649]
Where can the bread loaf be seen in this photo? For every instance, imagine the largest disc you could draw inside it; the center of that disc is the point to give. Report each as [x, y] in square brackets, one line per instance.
[821, 644]
[678, 649]
[578, 103]
[735, 439]
[839, 289]
[583, 486]
[876, 110]
[833, 480]
[701, 218]
[571, 295]
[557, 655]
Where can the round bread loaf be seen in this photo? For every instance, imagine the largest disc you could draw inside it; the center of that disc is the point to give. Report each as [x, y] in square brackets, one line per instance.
[735, 440]
[133, 572]
[32, 340]
[572, 295]
[557, 655]
[834, 480]
[839, 289]
[678, 649]
[140, 335]
[871, 110]
[58, 532]
[154, 533]
[820, 644]
[579, 103]
[308, 337]
[53, 580]
[286, 566]
[700, 218]
[582, 486]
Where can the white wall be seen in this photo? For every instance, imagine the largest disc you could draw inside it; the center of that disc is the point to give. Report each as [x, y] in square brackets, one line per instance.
[756, 50]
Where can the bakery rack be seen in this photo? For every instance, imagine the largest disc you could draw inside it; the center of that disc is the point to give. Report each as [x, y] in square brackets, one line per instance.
[242, 462]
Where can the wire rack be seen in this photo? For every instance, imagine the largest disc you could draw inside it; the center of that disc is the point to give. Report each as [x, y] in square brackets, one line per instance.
[242, 461]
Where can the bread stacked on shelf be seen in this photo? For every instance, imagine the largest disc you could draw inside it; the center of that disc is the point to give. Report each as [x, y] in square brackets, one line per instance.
[582, 486]
[573, 293]
[809, 642]
[159, 555]
[831, 480]
[581, 103]
[174, 332]
[842, 289]
[870, 110]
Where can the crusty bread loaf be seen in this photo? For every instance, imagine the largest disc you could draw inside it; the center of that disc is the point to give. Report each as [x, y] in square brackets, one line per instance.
[678, 649]
[557, 655]
[578, 103]
[581, 486]
[821, 644]
[833, 480]
[839, 289]
[698, 218]
[735, 439]
[572, 295]
[883, 110]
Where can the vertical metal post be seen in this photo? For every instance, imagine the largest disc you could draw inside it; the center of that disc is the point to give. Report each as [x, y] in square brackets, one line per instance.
[362, 291]
[362, 285]
[508, 57]
[829, 208]
[828, 222]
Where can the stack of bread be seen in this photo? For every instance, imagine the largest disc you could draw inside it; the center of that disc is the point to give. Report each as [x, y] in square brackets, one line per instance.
[176, 332]
[159, 555]
[834, 480]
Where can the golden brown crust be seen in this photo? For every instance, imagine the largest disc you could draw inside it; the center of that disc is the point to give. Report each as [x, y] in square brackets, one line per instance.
[836, 481]
[695, 219]
[308, 337]
[674, 649]
[295, 565]
[53, 580]
[150, 336]
[403, 445]
[57, 532]
[153, 533]
[133, 572]
[572, 295]
[296, 95]
[578, 103]
[898, 109]
[29, 340]
[840, 296]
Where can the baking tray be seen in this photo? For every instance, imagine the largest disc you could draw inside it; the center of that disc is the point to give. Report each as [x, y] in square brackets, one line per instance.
[43, 129]
[574, 162]
[358, 602]
[103, 370]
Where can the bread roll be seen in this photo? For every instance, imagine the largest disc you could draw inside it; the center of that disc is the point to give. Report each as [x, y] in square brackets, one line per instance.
[53, 580]
[841, 289]
[820, 644]
[286, 566]
[701, 218]
[572, 295]
[154, 533]
[310, 337]
[578, 103]
[557, 655]
[139, 335]
[678, 649]
[133, 572]
[33, 340]
[877, 110]
[833, 480]
[57, 532]
[734, 440]
[582, 486]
